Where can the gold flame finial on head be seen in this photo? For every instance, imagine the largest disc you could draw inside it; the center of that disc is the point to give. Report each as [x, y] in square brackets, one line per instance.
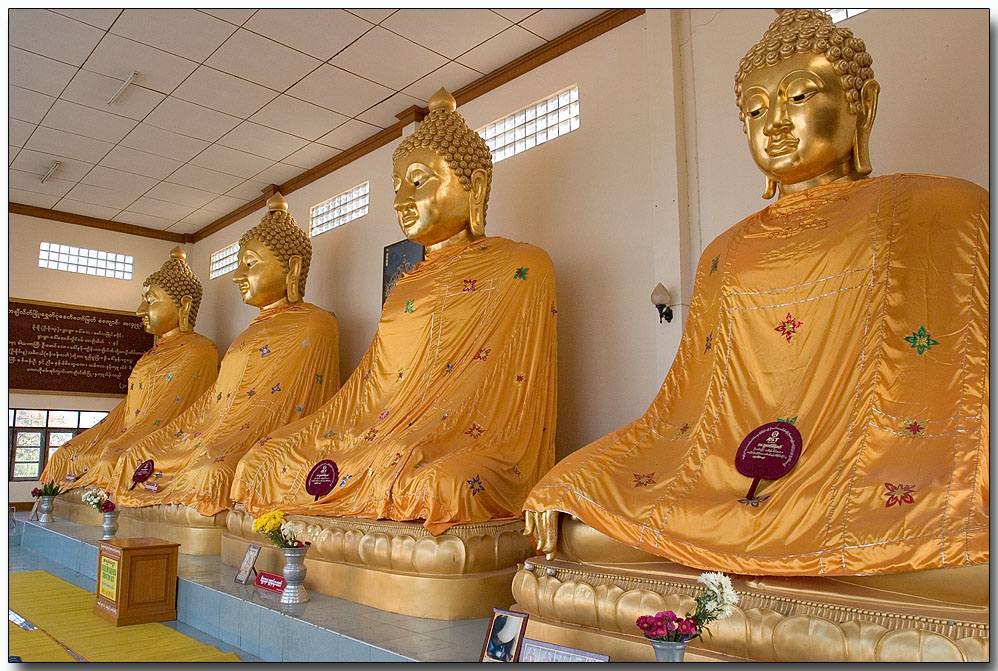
[443, 100]
[178, 253]
[277, 203]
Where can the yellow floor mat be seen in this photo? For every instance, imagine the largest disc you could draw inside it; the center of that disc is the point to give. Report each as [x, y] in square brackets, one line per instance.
[66, 613]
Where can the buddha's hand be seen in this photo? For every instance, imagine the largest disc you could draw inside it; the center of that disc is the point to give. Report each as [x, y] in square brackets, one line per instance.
[543, 527]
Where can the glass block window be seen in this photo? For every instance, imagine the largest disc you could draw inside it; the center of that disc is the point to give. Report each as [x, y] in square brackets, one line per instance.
[339, 210]
[35, 435]
[842, 14]
[224, 261]
[54, 256]
[533, 125]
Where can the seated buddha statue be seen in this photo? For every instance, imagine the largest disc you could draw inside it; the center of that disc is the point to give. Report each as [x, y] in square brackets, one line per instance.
[165, 381]
[827, 412]
[284, 366]
[449, 418]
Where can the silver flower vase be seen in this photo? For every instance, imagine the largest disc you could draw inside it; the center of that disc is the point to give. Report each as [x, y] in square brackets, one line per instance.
[110, 525]
[45, 509]
[669, 651]
[294, 576]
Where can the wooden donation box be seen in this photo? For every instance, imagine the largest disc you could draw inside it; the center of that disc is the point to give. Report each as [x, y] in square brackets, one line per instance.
[137, 580]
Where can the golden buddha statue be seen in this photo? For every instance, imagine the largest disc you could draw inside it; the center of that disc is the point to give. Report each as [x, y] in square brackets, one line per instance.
[816, 329]
[284, 366]
[164, 382]
[449, 418]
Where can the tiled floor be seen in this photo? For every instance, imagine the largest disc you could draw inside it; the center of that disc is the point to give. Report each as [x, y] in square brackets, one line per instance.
[251, 621]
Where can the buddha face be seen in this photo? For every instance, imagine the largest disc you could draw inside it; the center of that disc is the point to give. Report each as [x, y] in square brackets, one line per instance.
[798, 121]
[260, 277]
[431, 203]
[158, 311]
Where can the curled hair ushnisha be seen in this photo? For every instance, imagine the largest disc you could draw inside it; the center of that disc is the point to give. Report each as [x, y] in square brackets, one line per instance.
[177, 279]
[797, 31]
[283, 237]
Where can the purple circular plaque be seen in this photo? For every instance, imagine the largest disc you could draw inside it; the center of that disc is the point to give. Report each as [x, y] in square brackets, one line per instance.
[769, 451]
[322, 478]
[143, 472]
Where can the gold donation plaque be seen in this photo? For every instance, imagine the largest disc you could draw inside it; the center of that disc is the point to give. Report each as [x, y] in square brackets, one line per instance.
[109, 578]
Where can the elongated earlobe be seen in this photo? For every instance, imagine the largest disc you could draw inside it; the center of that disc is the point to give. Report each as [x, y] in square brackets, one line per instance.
[294, 273]
[185, 314]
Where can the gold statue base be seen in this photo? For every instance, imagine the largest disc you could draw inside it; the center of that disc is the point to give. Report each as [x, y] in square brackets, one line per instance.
[196, 533]
[397, 566]
[69, 505]
[593, 604]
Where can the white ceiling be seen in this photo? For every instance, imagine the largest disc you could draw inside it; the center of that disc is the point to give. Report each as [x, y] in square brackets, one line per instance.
[227, 101]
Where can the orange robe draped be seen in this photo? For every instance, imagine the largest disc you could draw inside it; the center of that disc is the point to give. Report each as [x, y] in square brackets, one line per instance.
[450, 416]
[858, 312]
[284, 366]
[165, 381]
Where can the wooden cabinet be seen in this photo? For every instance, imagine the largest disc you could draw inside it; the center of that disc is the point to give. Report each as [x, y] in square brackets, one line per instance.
[136, 580]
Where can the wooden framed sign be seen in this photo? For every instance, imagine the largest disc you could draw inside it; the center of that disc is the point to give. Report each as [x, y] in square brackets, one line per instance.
[249, 564]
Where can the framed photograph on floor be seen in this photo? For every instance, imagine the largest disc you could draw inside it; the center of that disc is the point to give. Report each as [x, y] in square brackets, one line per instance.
[539, 651]
[504, 636]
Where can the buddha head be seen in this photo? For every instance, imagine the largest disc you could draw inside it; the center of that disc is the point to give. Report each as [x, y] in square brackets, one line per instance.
[273, 258]
[171, 297]
[807, 100]
[442, 174]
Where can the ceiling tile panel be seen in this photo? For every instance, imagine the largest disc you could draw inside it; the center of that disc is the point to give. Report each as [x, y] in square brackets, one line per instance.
[262, 141]
[158, 70]
[97, 195]
[31, 198]
[231, 161]
[450, 32]
[29, 181]
[163, 142]
[552, 23]
[223, 92]
[191, 120]
[501, 49]
[98, 18]
[205, 179]
[12, 153]
[451, 76]
[278, 173]
[321, 33]
[192, 223]
[339, 90]
[88, 209]
[235, 16]
[261, 60]
[37, 73]
[26, 105]
[53, 35]
[312, 155]
[38, 163]
[141, 219]
[52, 141]
[372, 14]
[249, 190]
[159, 208]
[347, 135]
[94, 90]
[367, 57]
[88, 121]
[18, 132]
[515, 15]
[184, 32]
[126, 182]
[140, 162]
[298, 117]
[181, 195]
[225, 204]
[383, 114]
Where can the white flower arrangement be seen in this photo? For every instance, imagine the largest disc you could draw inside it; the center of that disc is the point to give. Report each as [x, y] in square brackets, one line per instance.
[97, 498]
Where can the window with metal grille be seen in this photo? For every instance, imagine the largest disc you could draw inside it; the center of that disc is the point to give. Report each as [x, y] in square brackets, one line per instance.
[339, 210]
[35, 435]
[224, 261]
[842, 14]
[54, 256]
[533, 125]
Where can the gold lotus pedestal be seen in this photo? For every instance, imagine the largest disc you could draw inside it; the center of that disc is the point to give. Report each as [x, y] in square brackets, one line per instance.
[397, 566]
[197, 534]
[593, 604]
